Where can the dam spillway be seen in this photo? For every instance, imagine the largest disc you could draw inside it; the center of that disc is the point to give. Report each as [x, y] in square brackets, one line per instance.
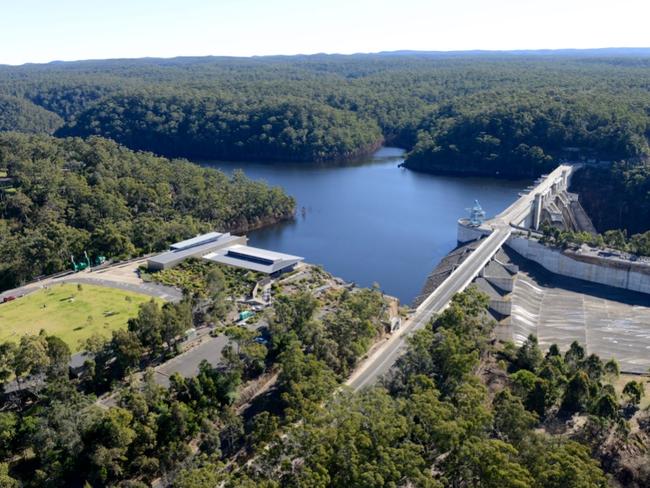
[600, 299]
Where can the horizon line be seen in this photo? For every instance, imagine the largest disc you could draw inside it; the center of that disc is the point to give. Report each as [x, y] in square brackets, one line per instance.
[404, 52]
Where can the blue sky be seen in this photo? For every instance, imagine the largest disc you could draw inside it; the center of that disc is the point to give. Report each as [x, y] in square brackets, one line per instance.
[46, 30]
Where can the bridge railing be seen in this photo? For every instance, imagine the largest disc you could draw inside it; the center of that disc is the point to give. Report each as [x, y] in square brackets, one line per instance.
[495, 240]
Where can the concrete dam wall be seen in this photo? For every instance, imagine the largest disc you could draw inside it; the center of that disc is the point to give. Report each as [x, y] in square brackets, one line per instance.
[588, 266]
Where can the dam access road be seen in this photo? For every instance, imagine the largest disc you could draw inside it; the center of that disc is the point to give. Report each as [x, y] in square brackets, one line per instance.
[498, 231]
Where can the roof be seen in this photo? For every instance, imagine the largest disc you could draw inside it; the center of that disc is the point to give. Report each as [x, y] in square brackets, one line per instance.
[253, 258]
[196, 241]
[196, 250]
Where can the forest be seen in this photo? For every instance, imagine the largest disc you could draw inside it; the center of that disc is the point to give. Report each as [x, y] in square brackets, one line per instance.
[69, 196]
[511, 116]
[459, 410]
[84, 167]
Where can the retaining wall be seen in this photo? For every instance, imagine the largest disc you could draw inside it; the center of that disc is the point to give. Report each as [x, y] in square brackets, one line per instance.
[619, 274]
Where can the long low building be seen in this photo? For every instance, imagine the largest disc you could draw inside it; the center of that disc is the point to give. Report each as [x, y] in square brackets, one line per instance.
[196, 247]
[224, 249]
[253, 258]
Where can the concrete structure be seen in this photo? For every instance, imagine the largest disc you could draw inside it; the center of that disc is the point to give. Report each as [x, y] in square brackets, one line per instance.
[381, 362]
[224, 249]
[526, 212]
[445, 267]
[466, 232]
[587, 264]
[196, 247]
[196, 241]
[547, 199]
[255, 259]
[609, 322]
[550, 201]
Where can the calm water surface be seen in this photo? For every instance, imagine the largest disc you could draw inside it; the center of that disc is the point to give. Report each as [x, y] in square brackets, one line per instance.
[373, 222]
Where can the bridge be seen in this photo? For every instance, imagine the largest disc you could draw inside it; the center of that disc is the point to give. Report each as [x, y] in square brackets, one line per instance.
[524, 212]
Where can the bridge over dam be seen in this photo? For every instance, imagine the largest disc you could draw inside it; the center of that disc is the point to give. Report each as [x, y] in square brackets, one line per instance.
[492, 234]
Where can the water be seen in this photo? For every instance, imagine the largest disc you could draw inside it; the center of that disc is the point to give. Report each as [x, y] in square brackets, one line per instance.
[373, 222]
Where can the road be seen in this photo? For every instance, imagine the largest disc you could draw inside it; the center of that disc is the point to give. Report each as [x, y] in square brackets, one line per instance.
[167, 293]
[384, 358]
[208, 348]
[187, 363]
[123, 276]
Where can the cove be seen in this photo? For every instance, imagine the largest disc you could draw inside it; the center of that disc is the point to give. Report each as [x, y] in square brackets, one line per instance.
[373, 222]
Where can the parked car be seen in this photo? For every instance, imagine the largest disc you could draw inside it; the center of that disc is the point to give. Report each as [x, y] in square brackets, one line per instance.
[8, 298]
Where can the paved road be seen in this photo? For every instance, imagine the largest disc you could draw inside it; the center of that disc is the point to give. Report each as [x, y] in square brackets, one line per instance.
[517, 211]
[187, 364]
[385, 356]
[167, 293]
[462, 276]
[104, 277]
[210, 349]
[26, 289]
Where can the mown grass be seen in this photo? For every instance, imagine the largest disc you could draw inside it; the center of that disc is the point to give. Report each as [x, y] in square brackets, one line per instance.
[69, 312]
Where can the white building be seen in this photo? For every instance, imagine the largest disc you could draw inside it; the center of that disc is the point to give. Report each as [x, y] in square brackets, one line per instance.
[196, 247]
[253, 258]
[224, 249]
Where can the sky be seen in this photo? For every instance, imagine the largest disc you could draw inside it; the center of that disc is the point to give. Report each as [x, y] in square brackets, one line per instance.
[47, 30]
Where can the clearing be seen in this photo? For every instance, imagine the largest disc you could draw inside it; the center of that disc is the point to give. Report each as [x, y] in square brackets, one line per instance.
[69, 311]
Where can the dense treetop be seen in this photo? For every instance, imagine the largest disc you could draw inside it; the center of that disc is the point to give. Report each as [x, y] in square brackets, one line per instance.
[22, 115]
[524, 134]
[616, 197]
[457, 411]
[329, 107]
[67, 196]
[511, 114]
[203, 126]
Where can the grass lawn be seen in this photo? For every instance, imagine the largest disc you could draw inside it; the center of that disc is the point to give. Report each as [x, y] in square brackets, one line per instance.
[69, 313]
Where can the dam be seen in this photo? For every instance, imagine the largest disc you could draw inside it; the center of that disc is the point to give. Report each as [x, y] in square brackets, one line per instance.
[598, 297]
[485, 238]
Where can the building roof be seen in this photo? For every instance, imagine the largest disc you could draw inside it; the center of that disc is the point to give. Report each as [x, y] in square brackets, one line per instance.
[196, 241]
[196, 250]
[253, 258]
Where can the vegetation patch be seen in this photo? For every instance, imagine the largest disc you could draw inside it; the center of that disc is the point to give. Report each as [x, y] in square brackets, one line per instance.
[613, 239]
[191, 276]
[73, 197]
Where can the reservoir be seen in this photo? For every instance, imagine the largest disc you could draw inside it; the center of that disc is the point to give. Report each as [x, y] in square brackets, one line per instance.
[373, 222]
